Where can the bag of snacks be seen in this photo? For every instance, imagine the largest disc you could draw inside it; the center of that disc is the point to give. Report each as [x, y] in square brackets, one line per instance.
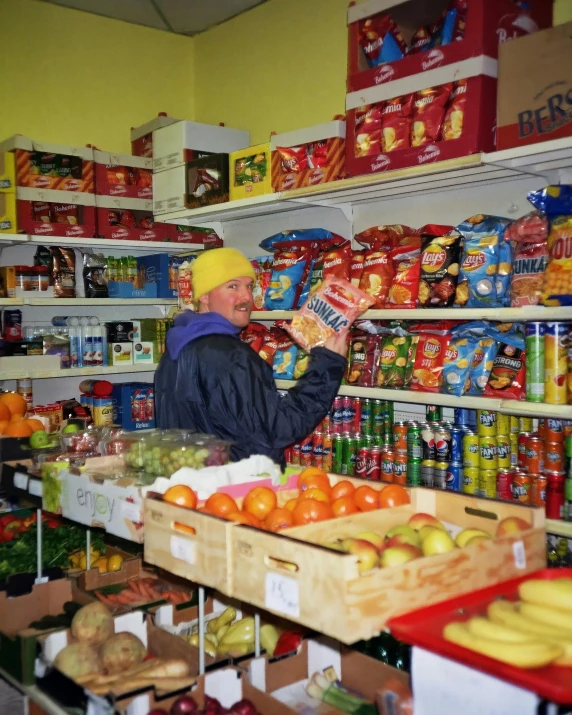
[333, 262]
[363, 358]
[356, 267]
[507, 377]
[529, 236]
[289, 271]
[456, 366]
[390, 236]
[368, 130]
[94, 276]
[455, 114]
[326, 238]
[263, 269]
[428, 113]
[380, 39]
[332, 309]
[396, 123]
[429, 360]
[377, 275]
[254, 335]
[63, 272]
[481, 365]
[302, 362]
[404, 288]
[270, 345]
[284, 359]
[439, 271]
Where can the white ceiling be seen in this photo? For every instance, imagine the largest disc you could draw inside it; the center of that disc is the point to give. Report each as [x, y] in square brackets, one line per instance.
[184, 17]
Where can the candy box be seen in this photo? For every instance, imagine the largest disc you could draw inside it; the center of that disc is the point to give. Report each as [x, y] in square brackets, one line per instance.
[142, 136]
[7, 173]
[133, 405]
[120, 353]
[47, 212]
[250, 172]
[207, 181]
[8, 223]
[145, 352]
[123, 175]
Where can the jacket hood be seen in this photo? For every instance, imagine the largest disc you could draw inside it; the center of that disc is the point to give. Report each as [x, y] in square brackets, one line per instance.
[190, 326]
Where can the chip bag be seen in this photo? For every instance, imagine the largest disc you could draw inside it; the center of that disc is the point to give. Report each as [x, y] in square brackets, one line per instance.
[395, 372]
[420, 41]
[410, 364]
[377, 275]
[481, 365]
[363, 359]
[396, 123]
[263, 269]
[254, 335]
[368, 130]
[386, 236]
[293, 159]
[270, 345]
[507, 377]
[439, 271]
[404, 289]
[289, 270]
[332, 309]
[380, 39]
[325, 237]
[456, 366]
[334, 262]
[284, 361]
[455, 114]
[356, 266]
[302, 362]
[429, 360]
[428, 114]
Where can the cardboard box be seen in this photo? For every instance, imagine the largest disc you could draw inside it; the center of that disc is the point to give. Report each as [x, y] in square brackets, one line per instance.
[120, 331]
[181, 142]
[120, 289]
[332, 134]
[123, 175]
[169, 189]
[146, 352]
[136, 329]
[158, 269]
[7, 173]
[7, 282]
[127, 224]
[120, 353]
[142, 136]
[134, 404]
[250, 172]
[488, 22]
[76, 223]
[207, 181]
[8, 222]
[535, 88]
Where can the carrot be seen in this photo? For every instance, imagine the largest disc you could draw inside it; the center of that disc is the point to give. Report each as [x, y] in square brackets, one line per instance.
[135, 586]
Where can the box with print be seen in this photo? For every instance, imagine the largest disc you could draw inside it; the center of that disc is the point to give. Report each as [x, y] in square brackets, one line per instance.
[47, 212]
[159, 269]
[120, 353]
[250, 173]
[207, 181]
[123, 175]
[7, 173]
[142, 136]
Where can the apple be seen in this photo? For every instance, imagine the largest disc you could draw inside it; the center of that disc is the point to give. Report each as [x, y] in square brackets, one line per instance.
[365, 551]
[399, 554]
[336, 545]
[511, 525]
[405, 534]
[463, 537]
[437, 542]
[478, 539]
[424, 532]
[417, 521]
[372, 537]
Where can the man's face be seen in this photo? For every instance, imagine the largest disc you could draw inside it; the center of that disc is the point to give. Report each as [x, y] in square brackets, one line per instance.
[232, 300]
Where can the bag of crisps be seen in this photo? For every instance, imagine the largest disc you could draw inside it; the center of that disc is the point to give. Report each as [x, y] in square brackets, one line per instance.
[356, 266]
[270, 345]
[396, 123]
[386, 236]
[284, 361]
[481, 365]
[377, 275]
[263, 269]
[363, 358]
[410, 364]
[368, 130]
[428, 113]
[395, 373]
[453, 122]
[332, 309]
[429, 360]
[456, 366]
[254, 335]
[404, 288]
[289, 271]
[380, 39]
[439, 271]
[508, 374]
[302, 362]
[529, 236]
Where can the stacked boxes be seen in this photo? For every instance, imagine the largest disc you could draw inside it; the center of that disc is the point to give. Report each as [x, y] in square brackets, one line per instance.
[250, 172]
[133, 405]
[142, 137]
[7, 193]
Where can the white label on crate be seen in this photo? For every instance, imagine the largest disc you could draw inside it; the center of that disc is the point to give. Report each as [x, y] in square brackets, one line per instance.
[42, 579]
[131, 511]
[139, 705]
[21, 480]
[282, 594]
[183, 549]
[519, 555]
[35, 487]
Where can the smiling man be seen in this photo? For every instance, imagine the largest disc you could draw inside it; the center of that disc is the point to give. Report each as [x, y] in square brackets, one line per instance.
[209, 381]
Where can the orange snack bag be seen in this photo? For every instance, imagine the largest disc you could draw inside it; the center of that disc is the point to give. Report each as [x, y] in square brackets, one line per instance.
[377, 275]
[404, 289]
[429, 359]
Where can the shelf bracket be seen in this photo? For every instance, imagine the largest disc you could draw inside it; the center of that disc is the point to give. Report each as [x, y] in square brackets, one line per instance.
[346, 209]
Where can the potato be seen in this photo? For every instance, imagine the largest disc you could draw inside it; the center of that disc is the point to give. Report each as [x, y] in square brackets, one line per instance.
[78, 659]
[121, 651]
[92, 624]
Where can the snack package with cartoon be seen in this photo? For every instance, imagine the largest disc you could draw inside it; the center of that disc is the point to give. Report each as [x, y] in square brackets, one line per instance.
[439, 271]
[284, 362]
[250, 169]
[332, 309]
[404, 288]
[363, 359]
[507, 377]
[429, 360]
[289, 271]
[263, 269]
[529, 238]
[458, 358]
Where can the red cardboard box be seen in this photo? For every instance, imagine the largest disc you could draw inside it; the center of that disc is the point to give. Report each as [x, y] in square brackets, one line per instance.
[123, 175]
[142, 137]
[130, 224]
[28, 223]
[488, 22]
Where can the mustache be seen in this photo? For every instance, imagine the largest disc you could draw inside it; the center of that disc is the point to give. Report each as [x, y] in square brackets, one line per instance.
[247, 304]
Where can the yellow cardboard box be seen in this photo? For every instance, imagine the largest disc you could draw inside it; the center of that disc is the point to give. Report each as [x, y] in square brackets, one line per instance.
[7, 172]
[8, 222]
[250, 172]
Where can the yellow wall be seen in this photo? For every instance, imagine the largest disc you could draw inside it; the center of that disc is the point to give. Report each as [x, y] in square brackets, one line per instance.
[280, 66]
[74, 78]
[562, 11]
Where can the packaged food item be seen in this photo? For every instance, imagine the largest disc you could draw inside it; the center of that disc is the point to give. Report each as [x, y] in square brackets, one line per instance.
[146, 222]
[477, 285]
[508, 374]
[389, 236]
[455, 114]
[332, 309]
[481, 365]
[250, 169]
[420, 40]
[302, 362]
[396, 123]
[363, 359]
[381, 40]
[94, 278]
[317, 154]
[458, 358]
[294, 159]
[284, 360]
[377, 275]
[410, 363]
[557, 286]
[63, 272]
[325, 237]
[41, 211]
[368, 130]
[395, 372]
[439, 271]
[127, 219]
[428, 114]
[556, 344]
[429, 360]
[553, 200]
[289, 270]
[404, 288]
[270, 345]
[263, 269]
[334, 262]
[254, 335]
[529, 236]
[356, 266]
[142, 177]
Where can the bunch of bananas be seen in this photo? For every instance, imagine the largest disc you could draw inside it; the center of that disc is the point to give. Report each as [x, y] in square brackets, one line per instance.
[225, 636]
[530, 633]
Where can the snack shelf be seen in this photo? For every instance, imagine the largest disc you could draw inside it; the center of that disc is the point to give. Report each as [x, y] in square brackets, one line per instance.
[95, 301]
[110, 243]
[10, 238]
[78, 372]
[539, 159]
[559, 527]
[11, 301]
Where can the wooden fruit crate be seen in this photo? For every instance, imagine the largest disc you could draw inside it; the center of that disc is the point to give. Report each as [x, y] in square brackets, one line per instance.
[292, 575]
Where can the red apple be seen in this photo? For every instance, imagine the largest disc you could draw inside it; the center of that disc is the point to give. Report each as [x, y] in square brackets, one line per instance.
[421, 519]
[404, 535]
[399, 554]
[437, 542]
[365, 551]
[511, 525]
[372, 537]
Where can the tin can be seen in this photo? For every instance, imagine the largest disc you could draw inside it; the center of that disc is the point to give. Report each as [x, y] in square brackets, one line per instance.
[538, 489]
[503, 451]
[387, 459]
[567, 500]
[504, 484]
[366, 417]
[306, 451]
[327, 452]
[554, 460]
[513, 450]
[102, 411]
[503, 424]
[150, 405]
[400, 469]
[486, 423]
[414, 472]
[488, 457]
[377, 417]
[457, 434]
[288, 455]
[440, 475]
[326, 424]
[525, 424]
[356, 416]
[295, 454]
[555, 496]
[470, 480]
[349, 454]
[414, 441]
[535, 334]
[337, 453]
[427, 472]
[373, 471]
[466, 417]
[388, 414]
[568, 446]
[427, 443]
[470, 450]
[337, 420]
[317, 452]
[488, 483]
[514, 426]
[361, 462]
[434, 413]
[454, 479]
[541, 429]
[521, 442]
[400, 437]
[556, 363]
[24, 388]
[521, 484]
[553, 430]
[534, 454]
[443, 445]
[347, 415]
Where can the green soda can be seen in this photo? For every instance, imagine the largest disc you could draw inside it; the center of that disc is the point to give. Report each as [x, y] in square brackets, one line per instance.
[568, 499]
[377, 417]
[414, 442]
[534, 334]
[569, 446]
[365, 440]
[413, 472]
[388, 415]
[349, 454]
[337, 452]
[434, 413]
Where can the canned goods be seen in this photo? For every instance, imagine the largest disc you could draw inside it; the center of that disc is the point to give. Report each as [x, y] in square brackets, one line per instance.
[538, 489]
[337, 450]
[457, 434]
[443, 445]
[555, 496]
[514, 427]
[349, 454]
[568, 500]
[525, 424]
[400, 469]
[377, 417]
[470, 480]
[427, 442]
[521, 445]
[361, 462]
[486, 423]
[440, 475]
[434, 413]
[295, 454]
[414, 472]
[317, 449]
[306, 451]
[454, 479]
[521, 483]
[427, 472]
[568, 446]
[503, 451]
[327, 452]
[504, 484]
[347, 415]
[414, 441]
[553, 430]
[535, 335]
[465, 417]
[514, 450]
[337, 420]
[470, 450]
[386, 471]
[488, 483]
[374, 464]
[388, 413]
[325, 426]
[503, 424]
[365, 440]
[488, 457]
[554, 460]
[366, 422]
[540, 431]
[534, 454]
[556, 363]
[356, 416]
[400, 437]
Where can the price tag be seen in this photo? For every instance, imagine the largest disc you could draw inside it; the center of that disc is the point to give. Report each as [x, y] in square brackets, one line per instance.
[183, 549]
[519, 555]
[21, 480]
[42, 579]
[131, 511]
[35, 487]
[282, 594]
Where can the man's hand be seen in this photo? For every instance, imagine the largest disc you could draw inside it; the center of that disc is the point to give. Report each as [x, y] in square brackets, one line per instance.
[337, 344]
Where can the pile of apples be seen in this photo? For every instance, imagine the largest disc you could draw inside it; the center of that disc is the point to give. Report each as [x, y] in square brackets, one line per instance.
[422, 535]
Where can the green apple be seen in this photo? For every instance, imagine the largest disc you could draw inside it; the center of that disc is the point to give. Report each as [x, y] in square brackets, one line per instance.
[72, 427]
[39, 439]
[405, 535]
[437, 542]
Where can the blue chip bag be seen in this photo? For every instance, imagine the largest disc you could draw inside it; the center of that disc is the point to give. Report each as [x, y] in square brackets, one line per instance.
[284, 362]
[458, 357]
[481, 365]
[297, 235]
[290, 270]
[553, 200]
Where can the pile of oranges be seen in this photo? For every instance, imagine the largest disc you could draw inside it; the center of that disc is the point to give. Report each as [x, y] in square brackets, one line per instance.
[317, 500]
[13, 422]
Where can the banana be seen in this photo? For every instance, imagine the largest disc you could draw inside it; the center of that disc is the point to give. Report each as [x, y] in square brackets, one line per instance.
[529, 654]
[487, 629]
[210, 649]
[550, 616]
[558, 592]
[221, 631]
[506, 614]
[211, 638]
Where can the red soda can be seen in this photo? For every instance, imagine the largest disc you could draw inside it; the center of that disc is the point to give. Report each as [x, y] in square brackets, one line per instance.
[356, 416]
[348, 415]
[387, 465]
[317, 450]
[327, 455]
[306, 451]
[554, 495]
[504, 484]
[150, 406]
[400, 469]
[361, 462]
[373, 464]
[288, 455]
[295, 454]
[522, 438]
[337, 420]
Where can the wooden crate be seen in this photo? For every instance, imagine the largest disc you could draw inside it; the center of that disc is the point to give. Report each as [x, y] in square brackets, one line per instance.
[292, 575]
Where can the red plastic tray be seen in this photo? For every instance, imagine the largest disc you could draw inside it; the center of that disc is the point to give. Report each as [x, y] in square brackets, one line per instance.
[424, 628]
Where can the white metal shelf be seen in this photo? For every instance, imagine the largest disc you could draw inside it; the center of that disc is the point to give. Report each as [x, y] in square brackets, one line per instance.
[11, 301]
[542, 159]
[96, 301]
[109, 243]
[78, 372]
[559, 528]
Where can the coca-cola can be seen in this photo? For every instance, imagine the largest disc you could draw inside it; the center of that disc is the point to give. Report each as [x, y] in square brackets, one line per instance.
[356, 416]
[504, 484]
[348, 415]
[337, 421]
[361, 462]
[374, 464]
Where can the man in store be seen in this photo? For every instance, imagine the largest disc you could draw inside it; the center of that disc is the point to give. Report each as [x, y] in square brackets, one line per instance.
[209, 381]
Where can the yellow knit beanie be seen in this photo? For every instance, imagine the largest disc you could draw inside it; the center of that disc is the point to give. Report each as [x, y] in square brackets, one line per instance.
[217, 266]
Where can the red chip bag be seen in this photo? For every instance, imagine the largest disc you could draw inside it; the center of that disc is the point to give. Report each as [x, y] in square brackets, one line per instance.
[428, 114]
[332, 309]
[294, 158]
[363, 358]
[337, 262]
[404, 289]
[377, 275]
[453, 122]
[254, 335]
[116, 175]
[143, 177]
[370, 36]
[368, 130]
[388, 236]
[396, 123]
[356, 267]
[318, 154]
[429, 359]
[420, 40]
[270, 345]
[127, 219]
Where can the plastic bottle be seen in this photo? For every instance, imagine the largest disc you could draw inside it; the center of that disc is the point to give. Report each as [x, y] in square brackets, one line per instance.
[70, 320]
[76, 356]
[87, 345]
[97, 346]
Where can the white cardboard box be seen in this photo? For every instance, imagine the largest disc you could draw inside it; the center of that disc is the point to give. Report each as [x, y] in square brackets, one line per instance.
[19, 142]
[149, 127]
[315, 133]
[169, 189]
[144, 352]
[105, 157]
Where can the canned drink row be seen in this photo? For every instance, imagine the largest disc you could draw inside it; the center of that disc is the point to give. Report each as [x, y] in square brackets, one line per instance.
[355, 415]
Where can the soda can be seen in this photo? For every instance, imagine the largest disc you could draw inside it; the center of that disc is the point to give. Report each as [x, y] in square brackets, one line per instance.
[514, 426]
[470, 450]
[327, 455]
[414, 441]
[538, 489]
[503, 424]
[337, 421]
[521, 483]
[466, 417]
[525, 424]
[295, 454]
[414, 472]
[434, 413]
[555, 496]
[349, 454]
[457, 434]
[521, 443]
[377, 417]
[568, 500]
[347, 415]
[568, 446]
[317, 449]
[534, 454]
[503, 451]
[488, 457]
[388, 412]
[366, 417]
[541, 429]
[400, 469]
[504, 484]
[486, 423]
[488, 483]
[555, 363]
[356, 416]
[440, 475]
[513, 450]
[554, 460]
[400, 437]
[326, 424]
[427, 472]
[470, 480]
[553, 430]
[306, 451]
[535, 334]
[443, 445]
[288, 455]
[454, 480]
[365, 440]
[387, 459]
[337, 453]
[373, 471]
[428, 443]
[361, 462]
